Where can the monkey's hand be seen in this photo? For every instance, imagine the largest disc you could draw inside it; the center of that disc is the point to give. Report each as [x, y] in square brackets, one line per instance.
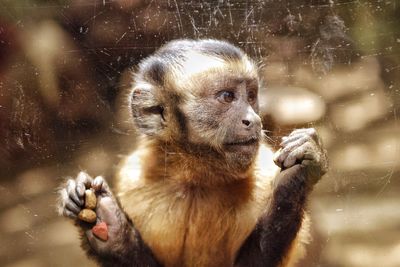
[124, 246]
[107, 210]
[304, 147]
[303, 162]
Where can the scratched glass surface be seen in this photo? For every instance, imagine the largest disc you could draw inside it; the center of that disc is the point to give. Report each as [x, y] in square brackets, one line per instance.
[332, 65]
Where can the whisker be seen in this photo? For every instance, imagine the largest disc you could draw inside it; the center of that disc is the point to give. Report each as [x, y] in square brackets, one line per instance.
[268, 138]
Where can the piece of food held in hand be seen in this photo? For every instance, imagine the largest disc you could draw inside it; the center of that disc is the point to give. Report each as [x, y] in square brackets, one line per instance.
[101, 231]
[90, 199]
[87, 214]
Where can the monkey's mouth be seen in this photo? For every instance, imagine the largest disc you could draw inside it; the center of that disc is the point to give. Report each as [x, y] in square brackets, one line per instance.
[247, 142]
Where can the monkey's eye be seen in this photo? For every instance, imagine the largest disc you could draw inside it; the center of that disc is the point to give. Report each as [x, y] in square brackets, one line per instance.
[252, 97]
[226, 96]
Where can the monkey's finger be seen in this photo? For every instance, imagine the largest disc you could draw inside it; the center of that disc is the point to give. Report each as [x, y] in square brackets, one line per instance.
[306, 131]
[69, 214]
[299, 154]
[100, 185]
[67, 204]
[309, 131]
[291, 159]
[72, 192]
[97, 183]
[70, 205]
[289, 139]
[292, 146]
[83, 181]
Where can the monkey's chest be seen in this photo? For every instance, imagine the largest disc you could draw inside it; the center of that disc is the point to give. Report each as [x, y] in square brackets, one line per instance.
[190, 229]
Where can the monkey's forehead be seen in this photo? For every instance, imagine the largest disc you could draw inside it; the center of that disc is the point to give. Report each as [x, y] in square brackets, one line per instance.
[200, 66]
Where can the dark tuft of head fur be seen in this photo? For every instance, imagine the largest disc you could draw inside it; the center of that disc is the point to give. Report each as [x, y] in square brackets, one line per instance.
[154, 70]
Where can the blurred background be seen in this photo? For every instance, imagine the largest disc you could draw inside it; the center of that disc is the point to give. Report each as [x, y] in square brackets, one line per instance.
[333, 65]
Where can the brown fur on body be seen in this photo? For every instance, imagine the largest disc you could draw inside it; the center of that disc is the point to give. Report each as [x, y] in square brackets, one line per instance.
[183, 216]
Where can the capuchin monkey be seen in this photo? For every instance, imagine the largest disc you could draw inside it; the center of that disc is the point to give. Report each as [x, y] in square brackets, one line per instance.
[202, 189]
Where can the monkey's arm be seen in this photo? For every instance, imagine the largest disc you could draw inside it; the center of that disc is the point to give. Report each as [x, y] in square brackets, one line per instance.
[275, 231]
[124, 246]
[303, 162]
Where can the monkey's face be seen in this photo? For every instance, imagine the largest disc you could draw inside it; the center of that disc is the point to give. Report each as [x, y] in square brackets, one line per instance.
[222, 113]
[202, 98]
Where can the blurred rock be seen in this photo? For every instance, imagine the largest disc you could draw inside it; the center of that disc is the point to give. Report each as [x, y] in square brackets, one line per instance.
[48, 85]
[30, 262]
[357, 113]
[16, 219]
[65, 80]
[285, 49]
[44, 243]
[361, 232]
[8, 194]
[344, 81]
[8, 45]
[36, 181]
[25, 133]
[28, 213]
[60, 232]
[127, 4]
[291, 105]
[378, 150]
[42, 45]
[154, 20]
[276, 73]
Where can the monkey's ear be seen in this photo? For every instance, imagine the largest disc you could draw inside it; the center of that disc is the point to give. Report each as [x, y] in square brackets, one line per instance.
[147, 111]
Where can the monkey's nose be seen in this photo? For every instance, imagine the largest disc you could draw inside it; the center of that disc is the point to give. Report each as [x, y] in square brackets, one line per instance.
[246, 122]
[250, 119]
